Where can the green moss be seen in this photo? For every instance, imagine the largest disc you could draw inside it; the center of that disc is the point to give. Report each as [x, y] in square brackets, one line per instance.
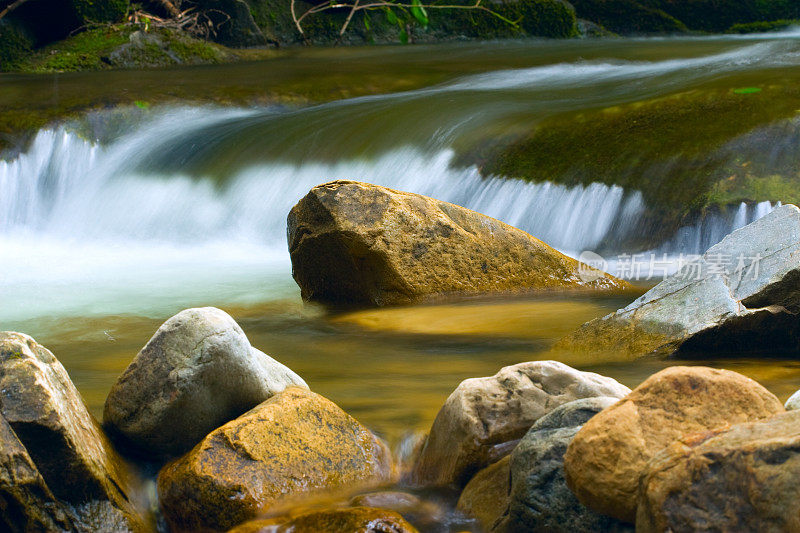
[15, 45]
[674, 149]
[101, 10]
[763, 26]
[85, 51]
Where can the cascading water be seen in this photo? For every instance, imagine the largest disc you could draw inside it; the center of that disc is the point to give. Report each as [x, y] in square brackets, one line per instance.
[189, 206]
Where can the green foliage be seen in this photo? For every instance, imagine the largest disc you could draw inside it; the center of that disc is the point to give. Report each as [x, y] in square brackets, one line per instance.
[763, 26]
[101, 10]
[719, 15]
[628, 16]
[536, 18]
[15, 45]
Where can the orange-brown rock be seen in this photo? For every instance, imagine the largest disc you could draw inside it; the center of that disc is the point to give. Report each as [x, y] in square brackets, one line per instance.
[746, 478]
[348, 520]
[357, 243]
[485, 498]
[295, 445]
[483, 419]
[606, 458]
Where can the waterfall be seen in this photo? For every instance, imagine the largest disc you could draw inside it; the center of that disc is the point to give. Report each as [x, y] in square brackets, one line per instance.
[65, 188]
[189, 205]
[699, 237]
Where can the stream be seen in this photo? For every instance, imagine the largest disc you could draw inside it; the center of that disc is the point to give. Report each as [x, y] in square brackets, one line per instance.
[112, 222]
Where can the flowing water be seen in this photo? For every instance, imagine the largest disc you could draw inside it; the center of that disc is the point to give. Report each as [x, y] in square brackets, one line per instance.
[109, 226]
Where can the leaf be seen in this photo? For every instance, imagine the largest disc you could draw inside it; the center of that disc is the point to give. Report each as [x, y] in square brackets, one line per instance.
[141, 104]
[366, 21]
[390, 16]
[419, 12]
[403, 36]
[747, 90]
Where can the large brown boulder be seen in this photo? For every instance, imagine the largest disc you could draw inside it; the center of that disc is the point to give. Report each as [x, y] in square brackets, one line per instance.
[483, 418]
[295, 445]
[57, 468]
[197, 372]
[349, 520]
[356, 243]
[740, 297]
[608, 455]
[744, 478]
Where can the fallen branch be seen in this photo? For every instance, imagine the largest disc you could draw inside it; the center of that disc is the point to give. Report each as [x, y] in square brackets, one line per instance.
[357, 6]
[11, 7]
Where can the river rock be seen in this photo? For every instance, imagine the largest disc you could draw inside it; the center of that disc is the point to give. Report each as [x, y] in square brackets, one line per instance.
[743, 478]
[740, 297]
[197, 372]
[356, 243]
[350, 520]
[484, 417]
[296, 444]
[485, 497]
[423, 513]
[793, 402]
[539, 499]
[57, 469]
[608, 455]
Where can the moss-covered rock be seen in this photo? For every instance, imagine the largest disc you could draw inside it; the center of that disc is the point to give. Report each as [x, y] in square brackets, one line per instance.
[123, 46]
[686, 153]
[628, 16]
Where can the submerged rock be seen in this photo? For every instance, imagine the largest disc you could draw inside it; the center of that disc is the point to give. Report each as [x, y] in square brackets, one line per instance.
[422, 513]
[57, 469]
[296, 444]
[539, 499]
[356, 243]
[608, 455]
[197, 372]
[741, 296]
[486, 495]
[351, 520]
[743, 478]
[484, 417]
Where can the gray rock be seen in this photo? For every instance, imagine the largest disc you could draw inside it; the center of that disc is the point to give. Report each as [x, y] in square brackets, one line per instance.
[539, 497]
[793, 403]
[741, 296]
[58, 472]
[196, 373]
[482, 419]
[573, 414]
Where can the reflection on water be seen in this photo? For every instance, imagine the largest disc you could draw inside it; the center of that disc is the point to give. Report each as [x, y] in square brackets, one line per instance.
[392, 369]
